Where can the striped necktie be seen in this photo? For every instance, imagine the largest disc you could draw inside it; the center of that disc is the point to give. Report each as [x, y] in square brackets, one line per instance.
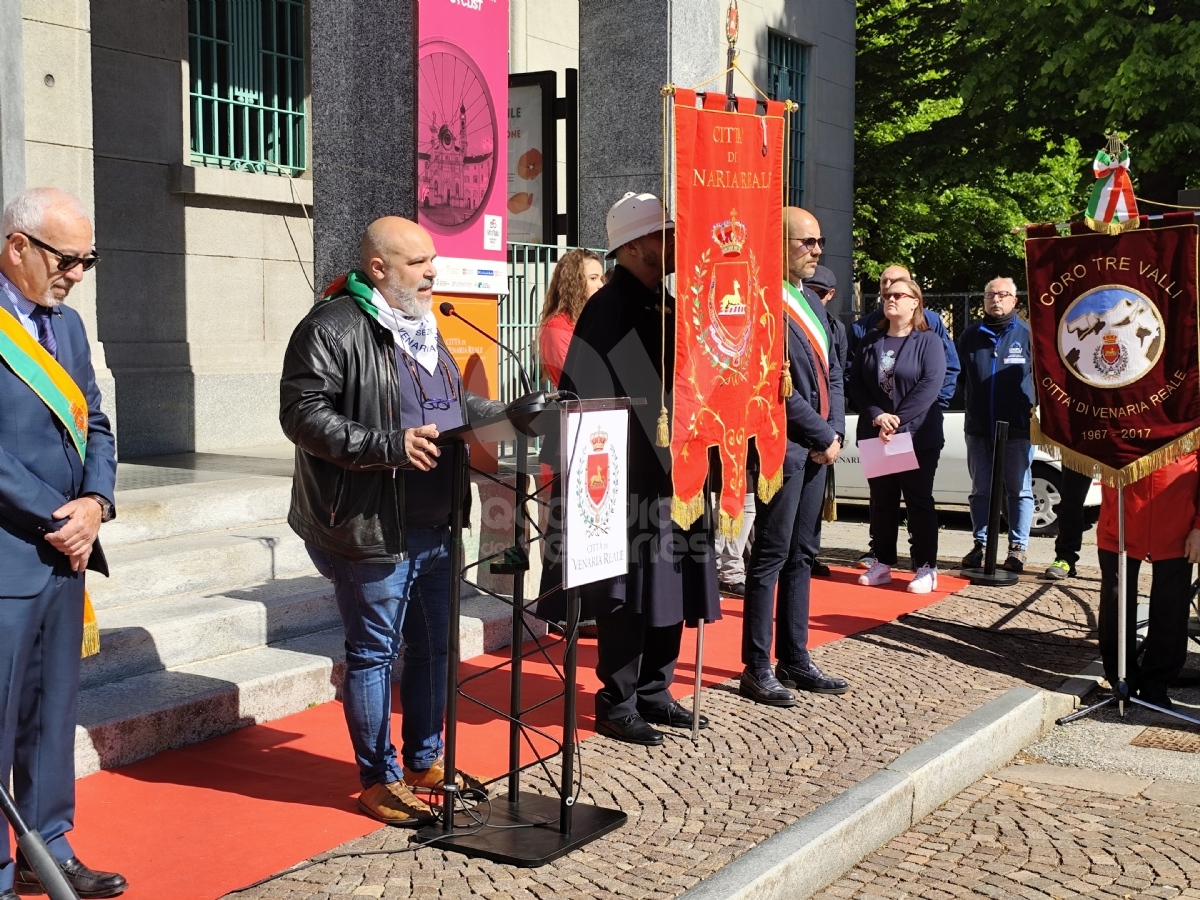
[41, 315]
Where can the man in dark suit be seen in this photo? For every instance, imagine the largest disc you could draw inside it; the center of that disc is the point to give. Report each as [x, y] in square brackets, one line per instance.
[786, 536]
[823, 283]
[57, 477]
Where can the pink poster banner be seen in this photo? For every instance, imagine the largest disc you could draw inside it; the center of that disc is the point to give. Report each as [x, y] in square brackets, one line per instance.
[462, 97]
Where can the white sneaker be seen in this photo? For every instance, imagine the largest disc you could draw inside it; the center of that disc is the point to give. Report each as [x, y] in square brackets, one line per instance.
[924, 582]
[877, 574]
[866, 561]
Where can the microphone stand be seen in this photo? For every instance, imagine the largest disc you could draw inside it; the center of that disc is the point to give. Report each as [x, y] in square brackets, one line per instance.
[37, 854]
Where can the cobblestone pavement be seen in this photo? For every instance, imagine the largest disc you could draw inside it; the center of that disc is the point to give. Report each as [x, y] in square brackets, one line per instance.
[1096, 835]
[758, 769]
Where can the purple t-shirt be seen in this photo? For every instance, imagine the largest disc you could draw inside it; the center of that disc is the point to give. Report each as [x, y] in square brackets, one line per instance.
[427, 399]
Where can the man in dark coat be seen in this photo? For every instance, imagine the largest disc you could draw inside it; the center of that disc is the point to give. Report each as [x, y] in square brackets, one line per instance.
[616, 351]
[786, 529]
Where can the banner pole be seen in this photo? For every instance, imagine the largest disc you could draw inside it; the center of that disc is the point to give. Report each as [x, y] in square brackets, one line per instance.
[1122, 687]
[699, 679]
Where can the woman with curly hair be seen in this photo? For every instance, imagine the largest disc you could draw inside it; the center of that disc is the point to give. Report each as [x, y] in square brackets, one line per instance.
[578, 275]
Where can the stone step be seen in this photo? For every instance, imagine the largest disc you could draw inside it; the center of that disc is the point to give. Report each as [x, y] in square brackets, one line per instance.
[191, 563]
[180, 630]
[122, 721]
[160, 512]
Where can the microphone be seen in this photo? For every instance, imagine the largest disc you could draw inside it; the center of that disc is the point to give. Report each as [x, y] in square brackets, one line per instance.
[447, 310]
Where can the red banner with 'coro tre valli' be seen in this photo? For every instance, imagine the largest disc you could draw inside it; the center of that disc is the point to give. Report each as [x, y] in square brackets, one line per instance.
[1114, 323]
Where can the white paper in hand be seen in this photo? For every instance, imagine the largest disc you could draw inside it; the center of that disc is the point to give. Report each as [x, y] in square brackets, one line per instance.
[879, 458]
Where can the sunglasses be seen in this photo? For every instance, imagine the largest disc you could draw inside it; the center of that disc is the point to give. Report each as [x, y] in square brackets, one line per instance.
[897, 295]
[66, 262]
[810, 242]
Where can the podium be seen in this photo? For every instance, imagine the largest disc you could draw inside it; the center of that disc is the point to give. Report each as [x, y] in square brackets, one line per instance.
[523, 828]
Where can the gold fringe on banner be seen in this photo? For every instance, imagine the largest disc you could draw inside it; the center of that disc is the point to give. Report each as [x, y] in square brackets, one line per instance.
[1112, 227]
[769, 487]
[91, 630]
[1135, 471]
[685, 513]
[729, 527]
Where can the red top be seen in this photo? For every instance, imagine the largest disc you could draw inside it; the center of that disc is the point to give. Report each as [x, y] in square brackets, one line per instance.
[553, 343]
[1160, 510]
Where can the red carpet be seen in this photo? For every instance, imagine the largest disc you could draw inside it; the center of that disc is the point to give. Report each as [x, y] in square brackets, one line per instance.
[194, 823]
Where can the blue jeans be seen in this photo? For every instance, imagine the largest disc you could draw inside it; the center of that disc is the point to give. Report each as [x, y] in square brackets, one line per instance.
[387, 607]
[1018, 486]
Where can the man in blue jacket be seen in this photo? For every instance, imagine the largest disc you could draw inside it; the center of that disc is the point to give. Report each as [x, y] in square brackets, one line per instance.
[57, 475]
[786, 529]
[998, 368]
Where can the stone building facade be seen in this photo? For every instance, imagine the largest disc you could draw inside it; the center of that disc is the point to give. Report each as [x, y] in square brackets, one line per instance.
[207, 268]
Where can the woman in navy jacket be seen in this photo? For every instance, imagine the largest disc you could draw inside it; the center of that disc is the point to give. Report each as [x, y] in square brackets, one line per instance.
[894, 379]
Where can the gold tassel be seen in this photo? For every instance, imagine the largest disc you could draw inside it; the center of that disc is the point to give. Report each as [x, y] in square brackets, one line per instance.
[785, 386]
[685, 513]
[729, 526]
[829, 506]
[769, 487]
[91, 630]
[662, 436]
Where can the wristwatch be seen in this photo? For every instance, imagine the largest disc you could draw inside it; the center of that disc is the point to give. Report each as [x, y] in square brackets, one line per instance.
[106, 508]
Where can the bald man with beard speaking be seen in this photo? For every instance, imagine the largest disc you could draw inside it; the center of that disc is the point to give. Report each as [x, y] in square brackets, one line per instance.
[367, 386]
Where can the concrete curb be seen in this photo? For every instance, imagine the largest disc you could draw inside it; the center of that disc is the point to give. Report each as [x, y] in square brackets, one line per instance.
[815, 851]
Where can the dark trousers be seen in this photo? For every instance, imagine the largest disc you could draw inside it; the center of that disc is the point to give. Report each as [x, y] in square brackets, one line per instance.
[916, 485]
[1074, 490]
[1165, 648]
[635, 664]
[40, 639]
[786, 541]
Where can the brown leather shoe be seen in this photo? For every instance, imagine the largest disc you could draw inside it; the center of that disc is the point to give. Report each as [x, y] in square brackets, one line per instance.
[395, 804]
[431, 779]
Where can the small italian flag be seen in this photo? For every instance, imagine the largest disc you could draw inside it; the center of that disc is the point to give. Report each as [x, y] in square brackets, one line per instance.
[1112, 208]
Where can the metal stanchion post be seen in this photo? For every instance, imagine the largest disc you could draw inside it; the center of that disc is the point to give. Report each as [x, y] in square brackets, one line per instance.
[989, 575]
[37, 854]
[458, 463]
[699, 680]
[518, 623]
[566, 797]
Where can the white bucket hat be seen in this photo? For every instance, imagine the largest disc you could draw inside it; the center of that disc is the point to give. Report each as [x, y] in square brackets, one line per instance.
[634, 216]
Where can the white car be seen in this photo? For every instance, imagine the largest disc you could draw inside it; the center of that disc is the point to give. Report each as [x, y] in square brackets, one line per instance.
[952, 484]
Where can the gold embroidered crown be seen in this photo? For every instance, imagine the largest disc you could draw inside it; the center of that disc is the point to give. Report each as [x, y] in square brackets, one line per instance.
[599, 438]
[730, 235]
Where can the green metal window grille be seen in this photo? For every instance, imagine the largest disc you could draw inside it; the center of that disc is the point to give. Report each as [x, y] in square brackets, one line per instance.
[787, 72]
[248, 84]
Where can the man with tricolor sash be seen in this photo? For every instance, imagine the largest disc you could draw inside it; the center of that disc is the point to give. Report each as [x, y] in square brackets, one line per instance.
[57, 478]
[786, 539]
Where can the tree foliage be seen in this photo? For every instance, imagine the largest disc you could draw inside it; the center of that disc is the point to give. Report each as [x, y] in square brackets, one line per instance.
[977, 116]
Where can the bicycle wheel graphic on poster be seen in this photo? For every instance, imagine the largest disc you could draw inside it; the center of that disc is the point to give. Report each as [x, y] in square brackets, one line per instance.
[456, 138]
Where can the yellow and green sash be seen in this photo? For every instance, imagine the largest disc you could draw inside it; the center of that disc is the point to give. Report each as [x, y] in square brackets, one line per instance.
[37, 368]
[30, 361]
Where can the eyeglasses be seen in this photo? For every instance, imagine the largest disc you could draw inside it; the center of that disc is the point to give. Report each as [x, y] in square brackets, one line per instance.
[897, 295]
[809, 243]
[66, 262]
[432, 403]
[998, 295]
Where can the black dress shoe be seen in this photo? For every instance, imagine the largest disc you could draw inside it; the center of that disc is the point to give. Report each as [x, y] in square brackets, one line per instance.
[820, 570]
[765, 689]
[809, 678]
[630, 729]
[672, 715]
[87, 882]
[1158, 698]
[732, 588]
[9, 895]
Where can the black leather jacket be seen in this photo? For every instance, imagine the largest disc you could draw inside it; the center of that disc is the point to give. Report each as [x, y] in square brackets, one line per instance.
[339, 403]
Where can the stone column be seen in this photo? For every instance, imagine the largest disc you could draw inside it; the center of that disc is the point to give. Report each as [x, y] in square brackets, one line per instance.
[12, 102]
[364, 99]
[627, 52]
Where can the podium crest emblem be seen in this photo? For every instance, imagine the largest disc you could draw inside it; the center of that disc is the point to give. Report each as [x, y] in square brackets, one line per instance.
[595, 482]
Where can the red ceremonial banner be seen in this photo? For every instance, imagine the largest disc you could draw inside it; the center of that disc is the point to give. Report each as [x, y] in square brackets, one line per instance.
[1115, 349]
[729, 325]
